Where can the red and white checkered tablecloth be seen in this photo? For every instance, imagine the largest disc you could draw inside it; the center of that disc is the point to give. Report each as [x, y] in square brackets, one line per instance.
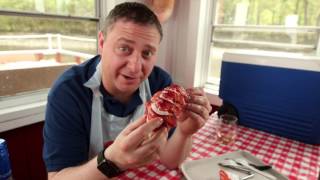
[296, 160]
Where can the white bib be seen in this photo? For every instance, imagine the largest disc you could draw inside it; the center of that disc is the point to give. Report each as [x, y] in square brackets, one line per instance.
[105, 126]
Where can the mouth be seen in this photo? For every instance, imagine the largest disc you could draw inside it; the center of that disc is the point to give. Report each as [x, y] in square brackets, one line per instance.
[130, 78]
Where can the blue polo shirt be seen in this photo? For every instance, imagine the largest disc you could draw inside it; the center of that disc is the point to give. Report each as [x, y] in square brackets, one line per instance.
[68, 114]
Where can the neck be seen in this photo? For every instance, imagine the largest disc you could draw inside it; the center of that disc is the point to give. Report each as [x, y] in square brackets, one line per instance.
[123, 98]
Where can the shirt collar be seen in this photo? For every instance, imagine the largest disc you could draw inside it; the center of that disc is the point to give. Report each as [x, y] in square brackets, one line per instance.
[115, 107]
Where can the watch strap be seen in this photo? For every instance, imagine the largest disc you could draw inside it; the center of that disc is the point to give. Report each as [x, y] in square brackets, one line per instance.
[107, 167]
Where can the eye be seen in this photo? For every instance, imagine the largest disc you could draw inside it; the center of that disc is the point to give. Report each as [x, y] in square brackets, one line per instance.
[123, 50]
[147, 54]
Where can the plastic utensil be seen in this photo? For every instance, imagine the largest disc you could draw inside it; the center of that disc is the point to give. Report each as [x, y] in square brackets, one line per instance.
[246, 164]
[259, 167]
[236, 167]
[247, 177]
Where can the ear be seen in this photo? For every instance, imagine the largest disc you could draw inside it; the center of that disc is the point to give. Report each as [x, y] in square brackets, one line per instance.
[100, 42]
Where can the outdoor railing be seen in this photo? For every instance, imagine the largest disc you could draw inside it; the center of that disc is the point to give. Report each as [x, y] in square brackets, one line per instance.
[302, 38]
[53, 44]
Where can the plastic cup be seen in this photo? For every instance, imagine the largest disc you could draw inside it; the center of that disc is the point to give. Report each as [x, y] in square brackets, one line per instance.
[226, 129]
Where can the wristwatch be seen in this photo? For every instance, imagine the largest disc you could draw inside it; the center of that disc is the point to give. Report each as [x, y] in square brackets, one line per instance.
[107, 167]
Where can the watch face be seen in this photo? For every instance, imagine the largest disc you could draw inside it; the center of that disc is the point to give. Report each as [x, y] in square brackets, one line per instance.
[107, 167]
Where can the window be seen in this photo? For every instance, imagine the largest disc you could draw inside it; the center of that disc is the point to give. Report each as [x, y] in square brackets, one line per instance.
[39, 39]
[43, 37]
[284, 26]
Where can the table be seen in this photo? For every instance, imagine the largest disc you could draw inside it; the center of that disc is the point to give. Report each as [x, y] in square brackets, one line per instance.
[296, 160]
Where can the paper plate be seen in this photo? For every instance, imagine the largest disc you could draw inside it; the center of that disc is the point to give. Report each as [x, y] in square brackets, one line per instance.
[208, 168]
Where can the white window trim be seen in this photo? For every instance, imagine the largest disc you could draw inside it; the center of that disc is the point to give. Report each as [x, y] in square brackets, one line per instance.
[191, 37]
[22, 110]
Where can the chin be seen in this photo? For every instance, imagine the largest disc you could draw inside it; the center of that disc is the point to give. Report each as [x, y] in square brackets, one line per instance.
[128, 88]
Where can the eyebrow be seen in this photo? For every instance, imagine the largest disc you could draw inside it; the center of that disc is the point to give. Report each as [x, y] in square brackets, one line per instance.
[133, 42]
[126, 40]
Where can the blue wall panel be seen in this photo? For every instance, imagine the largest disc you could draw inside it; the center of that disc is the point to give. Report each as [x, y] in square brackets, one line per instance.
[278, 100]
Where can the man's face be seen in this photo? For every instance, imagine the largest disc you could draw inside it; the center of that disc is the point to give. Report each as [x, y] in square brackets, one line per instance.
[128, 55]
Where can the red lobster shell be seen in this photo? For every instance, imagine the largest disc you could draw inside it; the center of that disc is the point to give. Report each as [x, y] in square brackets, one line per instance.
[167, 104]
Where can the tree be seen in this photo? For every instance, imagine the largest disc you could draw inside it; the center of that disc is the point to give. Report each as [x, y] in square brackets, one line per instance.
[28, 25]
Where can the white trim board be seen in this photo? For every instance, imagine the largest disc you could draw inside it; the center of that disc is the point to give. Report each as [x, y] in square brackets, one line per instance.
[282, 60]
[22, 115]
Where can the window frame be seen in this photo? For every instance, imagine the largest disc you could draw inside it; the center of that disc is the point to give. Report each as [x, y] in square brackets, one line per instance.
[212, 83]
[28, 108]
[191, 41]
[189, 45]
[4, 12]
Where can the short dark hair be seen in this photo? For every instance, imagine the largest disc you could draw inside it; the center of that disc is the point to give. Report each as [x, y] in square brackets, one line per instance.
[131, 11]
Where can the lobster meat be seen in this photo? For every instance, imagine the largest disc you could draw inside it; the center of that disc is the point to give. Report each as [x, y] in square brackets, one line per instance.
[167, 104]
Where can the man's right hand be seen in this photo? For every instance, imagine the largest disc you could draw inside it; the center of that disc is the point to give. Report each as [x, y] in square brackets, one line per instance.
[133, 146]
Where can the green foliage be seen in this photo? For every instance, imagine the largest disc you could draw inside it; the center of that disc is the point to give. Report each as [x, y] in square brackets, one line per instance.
[28, 25]
[272, 12]
[65, 7]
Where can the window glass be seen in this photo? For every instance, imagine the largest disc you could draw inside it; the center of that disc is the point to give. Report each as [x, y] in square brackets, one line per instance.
[35, 50]
[60, 7]
[290, 26]
[25, 33]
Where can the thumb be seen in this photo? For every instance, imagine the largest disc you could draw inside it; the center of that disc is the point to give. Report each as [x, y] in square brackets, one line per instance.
[155, 123]
[134, 125]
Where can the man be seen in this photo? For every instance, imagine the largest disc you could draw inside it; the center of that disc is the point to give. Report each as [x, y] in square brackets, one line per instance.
[102, 100]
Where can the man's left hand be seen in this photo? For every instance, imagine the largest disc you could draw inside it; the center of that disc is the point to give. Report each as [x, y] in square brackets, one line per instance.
[196, 112]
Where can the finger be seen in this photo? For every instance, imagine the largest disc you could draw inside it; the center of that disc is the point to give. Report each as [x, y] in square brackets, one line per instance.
[196, 91]
[135, 138]
[146, 150]
[139, 159]
[154, 146]
[134, 125]
[157, 140]
[200, 100]
[198, 109]
[152, 136]
[152, 124]
[197, 118]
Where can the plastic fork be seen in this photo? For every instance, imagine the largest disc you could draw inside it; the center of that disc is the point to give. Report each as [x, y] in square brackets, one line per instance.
[259, 167]
[262, 167]
[235, 167]
[246, 164]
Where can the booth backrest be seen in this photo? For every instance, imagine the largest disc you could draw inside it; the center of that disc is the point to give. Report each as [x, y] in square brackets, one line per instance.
[280, 95]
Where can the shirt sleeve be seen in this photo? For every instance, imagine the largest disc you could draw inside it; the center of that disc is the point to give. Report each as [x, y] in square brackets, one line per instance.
[66, 138]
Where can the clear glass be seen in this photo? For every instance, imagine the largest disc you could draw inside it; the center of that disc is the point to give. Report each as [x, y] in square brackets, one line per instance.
[49, 35]
[271, 12]
[27, 44]
[226, 129]
[291, 26]
[84, 8]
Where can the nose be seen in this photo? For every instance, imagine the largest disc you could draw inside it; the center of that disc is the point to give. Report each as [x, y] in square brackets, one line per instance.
[135, 63]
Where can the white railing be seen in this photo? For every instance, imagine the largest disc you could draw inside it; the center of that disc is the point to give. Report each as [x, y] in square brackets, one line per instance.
[291, 31]
[49, 50]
